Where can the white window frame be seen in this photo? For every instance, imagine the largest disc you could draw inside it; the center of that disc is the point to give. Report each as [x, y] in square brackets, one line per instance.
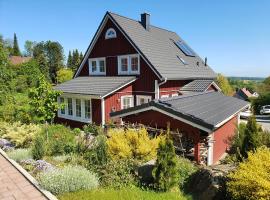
[107, 36]
[127, 96]
[146, 97]
[175, 95]
[129, 71]
[98, 72]
[73, 116]
[164, 96]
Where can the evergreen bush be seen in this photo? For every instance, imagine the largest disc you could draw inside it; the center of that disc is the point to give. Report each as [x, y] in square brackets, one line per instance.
[166, 173]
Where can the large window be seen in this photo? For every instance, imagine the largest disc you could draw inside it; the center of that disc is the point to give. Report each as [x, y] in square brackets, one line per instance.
[62, 103]
[70, 106]
[127, 101]
[129, 64]
[97, 66]
[142, 99]
[87, 109]
[78, 109]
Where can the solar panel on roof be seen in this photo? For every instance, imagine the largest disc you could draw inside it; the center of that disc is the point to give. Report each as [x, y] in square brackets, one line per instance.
[185, 48]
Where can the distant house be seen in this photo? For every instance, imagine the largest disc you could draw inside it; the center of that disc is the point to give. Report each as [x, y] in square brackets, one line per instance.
[16, 60]
[243, 94]
[134, 72]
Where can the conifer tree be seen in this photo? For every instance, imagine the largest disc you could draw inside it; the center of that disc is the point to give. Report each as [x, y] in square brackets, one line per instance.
[75, 60]
[16, 50]
[69, 60]
[81, 56]
[252, 138]
[165, 172]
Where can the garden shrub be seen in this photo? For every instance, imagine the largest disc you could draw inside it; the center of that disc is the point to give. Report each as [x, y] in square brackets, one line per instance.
[252, 178]
[132, 143]
[58, 139]
[20, 154]
[19, 134]
[186, 168]
[165, 173]
[68, 179]
[117, 173]
[92, 129]
[38, 149]
[97, 154]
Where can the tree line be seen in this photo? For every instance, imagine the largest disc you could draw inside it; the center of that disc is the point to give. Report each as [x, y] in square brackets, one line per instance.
[49, 56]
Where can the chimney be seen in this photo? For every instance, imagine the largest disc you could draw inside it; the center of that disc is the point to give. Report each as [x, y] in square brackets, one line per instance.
[145, 20]
[205, 61]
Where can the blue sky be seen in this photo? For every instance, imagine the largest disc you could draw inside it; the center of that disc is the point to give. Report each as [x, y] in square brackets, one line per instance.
[234, 35]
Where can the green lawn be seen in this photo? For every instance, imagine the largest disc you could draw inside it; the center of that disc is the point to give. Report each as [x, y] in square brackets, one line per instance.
[123, 194]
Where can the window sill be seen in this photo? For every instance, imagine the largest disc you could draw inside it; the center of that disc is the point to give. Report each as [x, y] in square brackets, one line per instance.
[75, 118]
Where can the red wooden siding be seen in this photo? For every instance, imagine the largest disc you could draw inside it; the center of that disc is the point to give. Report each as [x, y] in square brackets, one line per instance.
[96, 111]
[221, 138]
[172, 87]
[212, 88]
[110, 49]
[70, 123]
[113, 102]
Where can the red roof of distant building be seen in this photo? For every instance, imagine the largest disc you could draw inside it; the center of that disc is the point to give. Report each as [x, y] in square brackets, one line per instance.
[16, 60]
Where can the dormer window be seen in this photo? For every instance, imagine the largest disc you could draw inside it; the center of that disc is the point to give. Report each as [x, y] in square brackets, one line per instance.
[110, 33]
[128, 64]
[97, 66]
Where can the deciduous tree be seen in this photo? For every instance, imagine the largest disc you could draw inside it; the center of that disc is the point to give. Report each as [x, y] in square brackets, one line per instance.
[224, 85]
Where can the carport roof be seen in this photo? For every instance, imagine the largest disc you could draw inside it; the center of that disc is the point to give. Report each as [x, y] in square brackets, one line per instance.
[209, 110]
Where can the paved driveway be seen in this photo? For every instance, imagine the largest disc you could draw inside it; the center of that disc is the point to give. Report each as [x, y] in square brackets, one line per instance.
[265, 125]
[13, 185]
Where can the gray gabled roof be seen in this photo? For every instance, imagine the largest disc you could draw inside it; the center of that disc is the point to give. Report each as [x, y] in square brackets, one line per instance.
[158, 46]
[197, 86]
[91, 85]
[207, 109]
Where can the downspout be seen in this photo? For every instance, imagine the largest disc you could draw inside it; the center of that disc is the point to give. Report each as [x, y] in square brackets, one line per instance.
[102, 112]
[157, 87]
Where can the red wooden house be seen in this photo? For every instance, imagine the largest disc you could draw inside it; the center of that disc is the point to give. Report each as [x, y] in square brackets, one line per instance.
[128, 64]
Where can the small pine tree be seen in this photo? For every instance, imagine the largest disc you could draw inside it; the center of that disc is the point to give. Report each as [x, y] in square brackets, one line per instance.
[252, 138]
[75, 60]
[81, 56]
[165, 172]
[38, 149]
[69, 60]
[16, 50]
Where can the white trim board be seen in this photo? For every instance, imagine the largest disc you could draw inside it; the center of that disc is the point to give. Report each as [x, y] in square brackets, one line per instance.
[97, 35]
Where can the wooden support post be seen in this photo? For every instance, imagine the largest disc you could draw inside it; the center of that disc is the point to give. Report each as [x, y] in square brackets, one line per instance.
[197, 147]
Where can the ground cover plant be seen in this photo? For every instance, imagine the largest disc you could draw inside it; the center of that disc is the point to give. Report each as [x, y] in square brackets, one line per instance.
[20, 154]
[68, 179]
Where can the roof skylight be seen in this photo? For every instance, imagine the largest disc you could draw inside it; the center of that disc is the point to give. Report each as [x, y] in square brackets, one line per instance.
[185, 48]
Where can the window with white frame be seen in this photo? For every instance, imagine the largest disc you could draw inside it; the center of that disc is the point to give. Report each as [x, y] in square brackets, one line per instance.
[62, 104]
[129, 64]
[87, 108]
[70, 106]
[110, 33]
[127, 101]
[78, 109]
[164, 96]
[175, 95]
[142, 99]
[97, 66]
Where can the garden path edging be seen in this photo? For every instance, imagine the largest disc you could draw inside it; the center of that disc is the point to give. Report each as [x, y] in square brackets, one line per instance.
[29, 178]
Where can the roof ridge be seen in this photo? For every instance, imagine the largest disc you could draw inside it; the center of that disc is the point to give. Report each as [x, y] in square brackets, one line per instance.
[140, 22]
[185, 96]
